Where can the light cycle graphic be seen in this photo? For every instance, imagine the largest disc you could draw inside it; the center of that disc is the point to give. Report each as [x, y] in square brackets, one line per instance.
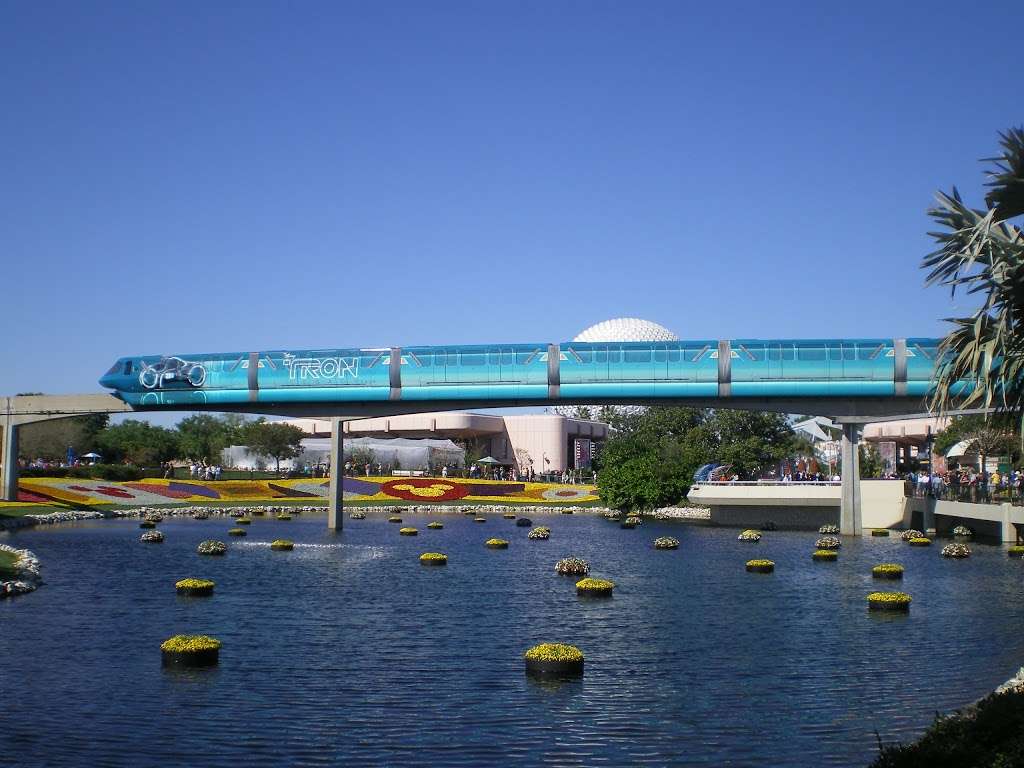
[170, 369]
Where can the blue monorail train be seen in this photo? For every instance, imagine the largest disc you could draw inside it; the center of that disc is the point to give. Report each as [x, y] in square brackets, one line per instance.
[533, 372]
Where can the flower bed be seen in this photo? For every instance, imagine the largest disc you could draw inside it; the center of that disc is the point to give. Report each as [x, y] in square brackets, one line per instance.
[760, 566]
[572, 566]
[913, 533]
[887, 571]
[153, 517]
[539, 534]
[496, 544]
[357, 516]
[211, 547]
[554, 660]
[152, 537]
[825, 555]
[828, 542]
[666, 542]
[435, 525]
[194, 587]
[524, 522]
[407, 532]
[920, 541]
[634, 519]
[594, 587]
[200, 516]
[962, 530]
[749, 535]
[1015, 552]
[889, 601]
[237, 532]
[190, 651]
[282, 545]
[957, 551]
[829, 529]
[433, 558]
[880, 532]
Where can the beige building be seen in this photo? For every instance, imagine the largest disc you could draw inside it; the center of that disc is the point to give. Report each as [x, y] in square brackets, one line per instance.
[546, 441]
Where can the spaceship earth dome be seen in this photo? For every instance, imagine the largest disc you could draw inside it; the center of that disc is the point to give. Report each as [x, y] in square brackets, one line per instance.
[626, 329]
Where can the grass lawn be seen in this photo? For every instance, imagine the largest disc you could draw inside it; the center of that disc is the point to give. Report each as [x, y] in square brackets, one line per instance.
[7, 571]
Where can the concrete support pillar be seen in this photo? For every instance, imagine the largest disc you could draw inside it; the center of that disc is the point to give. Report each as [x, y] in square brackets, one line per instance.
[1008, 529]
[335, 497]
[9, 462]
[849, 507]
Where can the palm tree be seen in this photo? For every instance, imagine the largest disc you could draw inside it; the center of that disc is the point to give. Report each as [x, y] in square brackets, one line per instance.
[981, 252]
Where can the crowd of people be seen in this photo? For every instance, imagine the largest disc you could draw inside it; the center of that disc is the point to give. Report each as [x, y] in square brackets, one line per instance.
[968, 484]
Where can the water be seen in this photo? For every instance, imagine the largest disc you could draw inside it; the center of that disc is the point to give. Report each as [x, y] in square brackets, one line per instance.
[348, 651]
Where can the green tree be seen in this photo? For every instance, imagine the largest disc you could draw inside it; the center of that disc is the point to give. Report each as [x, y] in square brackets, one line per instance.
[51, 439]
[273, 439]
[871, 464]
[137, 442]
[203, 436]
[981, 252]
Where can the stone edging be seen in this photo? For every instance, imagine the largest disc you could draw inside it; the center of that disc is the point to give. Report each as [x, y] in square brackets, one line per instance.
[28, 579]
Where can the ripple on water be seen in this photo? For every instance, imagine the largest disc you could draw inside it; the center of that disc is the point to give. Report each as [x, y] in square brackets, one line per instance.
[348, 651]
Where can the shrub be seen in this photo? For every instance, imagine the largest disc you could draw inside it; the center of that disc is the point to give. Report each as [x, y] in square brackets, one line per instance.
[749, 535]
[237, 532]
[1015, 552]
[407, 531]
[666, 542]
[114, 472]
[496, 544]
[433, 558]
[634, 519]
[554, 652]
[211, 547]
[962, 530]
[190, 644]
[594, 587]
[284, 516]
[887, 571]
[282, 545]
[540, 533]
[152, 537]
[911, 534]
[957, 551]
[889, 601]
[828, 542]
[524, 522]
[572, 566]
[435, 525]
[881, 532]
[243, 521]
[919, 541]
[829, 529]
[824, 555]
[147, 524]
[394, 519]
[194, 587]
[760, 566]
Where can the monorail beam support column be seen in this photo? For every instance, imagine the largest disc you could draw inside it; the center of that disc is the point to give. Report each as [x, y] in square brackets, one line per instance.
[9, 461]
[335, 495]
[849, 505]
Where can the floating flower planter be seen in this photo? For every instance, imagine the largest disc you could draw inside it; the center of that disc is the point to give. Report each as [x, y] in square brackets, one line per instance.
[554, 660]
[469, 512]
[880, 532]
[572, 566]
[284, 517]
[524, 522]
[243, 521]
[211, 547]
[237, 532]
[594, 587]
[509, 516]
[147, 524]
[479, 519]
[433, 558]
[829, 529]
[957, 551]
[749, 535]
[920, 541]
[566, 511]
[825, 555]
[666, 542]
[152, 537]
[1015, 552]
[282, 545]
[760, 566]
[627, 525]
[407, 532]
[889, 601]
[911, 534]
[496, 544]
[154, 518]
[828, 542]
[539, 534]
[891, 571]
[634, 519]
[963, 531]
[194, 587]
[435, 525]
[357, 516]
[394, 519]
[200, 516]
[190, 651]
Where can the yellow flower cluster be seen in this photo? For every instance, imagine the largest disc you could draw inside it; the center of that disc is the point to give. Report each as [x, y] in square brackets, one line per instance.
[554, 652]
[284, 517]
[190, 644]
[889, 598]
[436, 557]
[496, 543]
[407, 531]
[825, 554]
[920, 541]
[479, 519]
[394, 519]
[194, 584]
[1015, 550]
[887, 568]
[282, 544]
[595, 584]
[760, 563]
[435, 525]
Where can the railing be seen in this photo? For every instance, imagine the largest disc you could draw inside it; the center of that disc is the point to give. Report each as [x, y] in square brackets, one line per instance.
[973, 494]
[755, 483]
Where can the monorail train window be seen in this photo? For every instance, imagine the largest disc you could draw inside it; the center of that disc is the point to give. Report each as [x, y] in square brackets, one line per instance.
[600, 355]
[127, 367]
[507, 358]
[812, 353]
[870, 351]
[781, 353]
[673, 354]
[660, 354]
[637, 355]
[580, 355]
[453, 357]
[614, 355]
[493, 357]
[472, 358]
[522, 358]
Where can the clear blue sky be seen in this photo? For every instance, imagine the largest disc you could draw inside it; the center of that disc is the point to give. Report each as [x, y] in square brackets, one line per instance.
[189, 177]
